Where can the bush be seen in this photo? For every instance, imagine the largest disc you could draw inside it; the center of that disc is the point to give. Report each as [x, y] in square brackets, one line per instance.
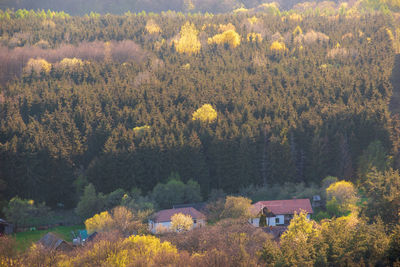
[90, 203]
[120, 219]
[176, 192]
[321, 215]
[8, 252]
[24, 212]
[181, 222]
[237, 208]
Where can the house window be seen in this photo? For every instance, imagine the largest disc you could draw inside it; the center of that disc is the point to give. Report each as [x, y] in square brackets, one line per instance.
[194, 221]
[276, 220]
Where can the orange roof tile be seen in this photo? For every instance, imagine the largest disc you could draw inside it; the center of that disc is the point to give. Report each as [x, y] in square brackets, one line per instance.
[289, 206]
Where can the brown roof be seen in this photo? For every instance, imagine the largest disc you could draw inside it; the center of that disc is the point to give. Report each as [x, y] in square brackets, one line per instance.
[52, 241]
[165, 215]
[289, 206]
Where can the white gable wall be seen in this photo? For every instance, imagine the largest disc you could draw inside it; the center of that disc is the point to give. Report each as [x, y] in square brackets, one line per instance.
[272, 221]
[153, 227]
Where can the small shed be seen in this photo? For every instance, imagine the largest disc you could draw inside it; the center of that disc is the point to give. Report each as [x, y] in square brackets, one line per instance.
[52, 242]
[6, 228]
[316, 201]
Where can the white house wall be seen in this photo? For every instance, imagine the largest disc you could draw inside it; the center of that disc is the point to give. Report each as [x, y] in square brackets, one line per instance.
[154, 226]
[271, 221]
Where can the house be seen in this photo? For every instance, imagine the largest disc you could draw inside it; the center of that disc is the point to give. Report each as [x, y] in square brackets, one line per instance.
[162, 219]
[6, 228]
[279, 212]
[200, 206]
[52, 242]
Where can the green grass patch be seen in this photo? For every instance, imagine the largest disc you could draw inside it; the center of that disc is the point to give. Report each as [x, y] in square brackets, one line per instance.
[25, 239]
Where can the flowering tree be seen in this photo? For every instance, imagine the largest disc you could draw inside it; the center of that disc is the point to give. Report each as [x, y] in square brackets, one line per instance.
[181, 222]
[230, 37]
[188, 42]
[205, 114]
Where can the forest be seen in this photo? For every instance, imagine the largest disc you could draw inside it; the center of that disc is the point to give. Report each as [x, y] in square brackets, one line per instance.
[110, 100]
[133, 107]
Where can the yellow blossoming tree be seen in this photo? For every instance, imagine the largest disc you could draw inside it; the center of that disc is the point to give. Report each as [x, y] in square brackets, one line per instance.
[70, 62]
[137, 250]
[121, 219]
[230, 37]
[205, 114]
[278, 47]
[181, 222]
[254, 37]
[341, 197]
[99, 222]
[297, 31]
[38, 65]
[152, 27]
[188, 42]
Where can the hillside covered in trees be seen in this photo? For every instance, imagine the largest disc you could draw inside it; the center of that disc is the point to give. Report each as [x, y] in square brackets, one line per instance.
[258, 96]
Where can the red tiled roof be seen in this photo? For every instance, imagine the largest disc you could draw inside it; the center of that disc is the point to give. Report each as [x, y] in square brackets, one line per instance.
[165, 215]
[289, 206]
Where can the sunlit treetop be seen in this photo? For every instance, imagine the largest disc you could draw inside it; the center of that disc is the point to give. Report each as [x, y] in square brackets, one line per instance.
[140, 130]
[253, 20]
[297, 31]
[152, 27]
[230, 37]
[270, 8]
[206, 113]
[240, 9]
[254, 37]
[38, 65]
[226, 27]
[278, 46]
[293, 17]
[71, 63]
[188, 42]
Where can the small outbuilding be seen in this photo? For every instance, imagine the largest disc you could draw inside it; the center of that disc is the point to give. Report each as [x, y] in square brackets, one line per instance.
[6, 228]
[52, 242]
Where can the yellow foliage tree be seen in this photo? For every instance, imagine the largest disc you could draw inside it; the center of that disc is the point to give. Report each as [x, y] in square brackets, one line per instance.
[254, 37]
[271, 8]
[139, 130]
[181, 222]
[278, 47]
[70, 62]
[99, 222]
[226, 27]
[107, 52]
[343, 194]
[297, 31]
[205, 114]
[120, 219]
[297, 242]
[188, 42]
[237, 207]
[152, 27]
[253, 20]
[38, 65]
[240, 9]
[137, 250]
[230, 37]
[295, 17]
[395, 38]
